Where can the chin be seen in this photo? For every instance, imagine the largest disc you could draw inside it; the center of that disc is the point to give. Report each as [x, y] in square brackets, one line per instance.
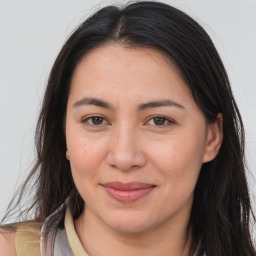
[127, 228]
[130, 224]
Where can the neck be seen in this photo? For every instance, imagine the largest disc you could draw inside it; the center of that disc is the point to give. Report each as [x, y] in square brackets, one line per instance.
[167, 239]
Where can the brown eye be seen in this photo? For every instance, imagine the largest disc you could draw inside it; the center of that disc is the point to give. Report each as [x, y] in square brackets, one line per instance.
[97, 120]
[94, 121]
[159, 120]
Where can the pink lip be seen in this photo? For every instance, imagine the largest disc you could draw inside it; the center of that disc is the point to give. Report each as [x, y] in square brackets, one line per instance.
[128, 192]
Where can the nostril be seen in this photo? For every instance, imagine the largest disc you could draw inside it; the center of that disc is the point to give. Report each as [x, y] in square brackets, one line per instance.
[124, 152]
[125, 161]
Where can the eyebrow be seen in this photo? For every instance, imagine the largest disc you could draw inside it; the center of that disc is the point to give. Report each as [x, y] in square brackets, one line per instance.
[152, 104]
[92, 101]
[159, 103]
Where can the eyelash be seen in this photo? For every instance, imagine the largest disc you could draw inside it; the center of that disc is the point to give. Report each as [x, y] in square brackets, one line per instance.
[167, 121]
[86, 120]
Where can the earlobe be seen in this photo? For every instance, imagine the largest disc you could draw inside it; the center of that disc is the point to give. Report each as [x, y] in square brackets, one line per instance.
[67, 155]
[214, 139]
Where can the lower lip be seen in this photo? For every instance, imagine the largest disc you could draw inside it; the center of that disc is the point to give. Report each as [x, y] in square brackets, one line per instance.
[128, 196]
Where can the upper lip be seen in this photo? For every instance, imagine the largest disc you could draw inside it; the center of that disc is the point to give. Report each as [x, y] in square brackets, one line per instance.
[127, 186]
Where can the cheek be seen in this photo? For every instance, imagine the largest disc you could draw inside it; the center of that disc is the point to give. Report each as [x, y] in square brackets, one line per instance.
[85, 153]
[179, 161]
[179, 166]
[178, 153]
[85, 159]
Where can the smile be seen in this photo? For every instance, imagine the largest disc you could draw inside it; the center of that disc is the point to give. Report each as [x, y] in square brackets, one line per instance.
[128, 192]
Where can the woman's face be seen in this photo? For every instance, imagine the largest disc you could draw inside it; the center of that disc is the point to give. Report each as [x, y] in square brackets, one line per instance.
[136, 139]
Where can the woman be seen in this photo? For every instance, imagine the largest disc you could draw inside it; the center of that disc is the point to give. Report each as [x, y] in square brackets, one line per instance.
[140, 144]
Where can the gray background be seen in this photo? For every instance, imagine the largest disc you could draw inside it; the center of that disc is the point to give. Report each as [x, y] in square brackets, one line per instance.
[31, 34]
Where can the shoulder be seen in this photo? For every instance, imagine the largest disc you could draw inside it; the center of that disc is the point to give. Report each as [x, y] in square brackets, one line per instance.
[7, 242]
[27, 238]
[21, 239]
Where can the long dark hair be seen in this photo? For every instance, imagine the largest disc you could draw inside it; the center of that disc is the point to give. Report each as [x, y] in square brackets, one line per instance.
[221, 212]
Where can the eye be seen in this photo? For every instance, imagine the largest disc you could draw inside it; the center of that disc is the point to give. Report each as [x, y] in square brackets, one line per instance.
[160, 121]
[95, 120]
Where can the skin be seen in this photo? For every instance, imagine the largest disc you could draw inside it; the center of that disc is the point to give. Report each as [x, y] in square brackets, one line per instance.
[7, 242]
[128, 143]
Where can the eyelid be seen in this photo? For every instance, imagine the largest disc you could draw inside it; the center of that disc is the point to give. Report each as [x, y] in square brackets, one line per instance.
[106, 122]
[168, 119]
[86, 118]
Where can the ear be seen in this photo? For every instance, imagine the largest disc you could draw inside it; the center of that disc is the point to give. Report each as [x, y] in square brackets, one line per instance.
[214, 139]
[67, 155]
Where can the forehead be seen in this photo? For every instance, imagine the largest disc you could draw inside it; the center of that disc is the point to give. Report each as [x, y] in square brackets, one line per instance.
[117, 69]
[109, 51]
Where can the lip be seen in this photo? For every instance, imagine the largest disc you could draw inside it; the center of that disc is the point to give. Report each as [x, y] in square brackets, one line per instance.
[128, 192]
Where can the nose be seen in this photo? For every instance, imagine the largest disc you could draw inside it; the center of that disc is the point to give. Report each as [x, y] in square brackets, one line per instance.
[125, 150]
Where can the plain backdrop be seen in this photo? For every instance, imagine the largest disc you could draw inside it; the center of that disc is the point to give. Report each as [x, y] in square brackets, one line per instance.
[32, 33]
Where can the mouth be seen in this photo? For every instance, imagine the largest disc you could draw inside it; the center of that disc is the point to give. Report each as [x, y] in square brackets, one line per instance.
[128, 192]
